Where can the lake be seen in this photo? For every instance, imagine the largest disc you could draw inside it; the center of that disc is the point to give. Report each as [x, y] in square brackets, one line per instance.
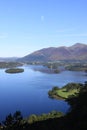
[28, 91]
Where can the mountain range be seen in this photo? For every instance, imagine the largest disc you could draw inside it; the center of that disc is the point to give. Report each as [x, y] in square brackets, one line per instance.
[8, 59]
[77, 51]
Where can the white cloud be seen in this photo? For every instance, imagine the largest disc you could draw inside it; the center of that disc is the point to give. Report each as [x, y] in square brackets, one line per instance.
[42, 18]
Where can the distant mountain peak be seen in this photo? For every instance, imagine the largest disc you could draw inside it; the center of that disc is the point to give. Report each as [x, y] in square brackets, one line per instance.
[79, 44]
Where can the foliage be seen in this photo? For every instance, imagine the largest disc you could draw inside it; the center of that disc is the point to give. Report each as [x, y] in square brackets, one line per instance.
[9, 120]
[53, 67]
[10, 64]
[77, 67]
[75, 119]
[56, 71]
[14, 70]
[12, 120]
[52, 92]
[35, 118]
[71, 89]
[72, 86]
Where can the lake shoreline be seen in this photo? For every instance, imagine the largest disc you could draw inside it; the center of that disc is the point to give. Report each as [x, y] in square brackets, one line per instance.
[28, 91]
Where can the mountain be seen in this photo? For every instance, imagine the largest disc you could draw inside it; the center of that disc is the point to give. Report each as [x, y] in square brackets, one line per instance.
[8, 59]
[77, 51]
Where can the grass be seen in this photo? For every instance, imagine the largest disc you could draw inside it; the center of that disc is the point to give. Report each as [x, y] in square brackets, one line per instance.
[71, 89]
[65, 94]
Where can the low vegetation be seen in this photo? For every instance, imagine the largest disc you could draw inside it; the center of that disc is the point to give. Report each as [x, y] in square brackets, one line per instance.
[14, 70]
[53, 67]
[77, 67]
[16, 120]
[10, 64]
[51, 115]
[71, 89]
[72, 65]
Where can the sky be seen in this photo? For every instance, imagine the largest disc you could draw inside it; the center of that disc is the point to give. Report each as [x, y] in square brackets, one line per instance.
[30, 25]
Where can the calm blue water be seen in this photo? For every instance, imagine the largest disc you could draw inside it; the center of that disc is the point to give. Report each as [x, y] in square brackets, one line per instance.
[28, 91]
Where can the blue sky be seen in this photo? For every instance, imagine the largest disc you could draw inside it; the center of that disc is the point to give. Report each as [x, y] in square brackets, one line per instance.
[29, 25]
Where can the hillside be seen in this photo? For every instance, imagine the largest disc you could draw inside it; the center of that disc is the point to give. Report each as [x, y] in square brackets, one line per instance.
[76, 52]
[8, 59]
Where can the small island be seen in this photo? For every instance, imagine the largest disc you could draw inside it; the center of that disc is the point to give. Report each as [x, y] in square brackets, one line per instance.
[14, 70]
[69, 90]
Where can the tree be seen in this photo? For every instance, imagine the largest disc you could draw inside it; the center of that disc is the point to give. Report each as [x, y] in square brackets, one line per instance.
[17, 116]
[9, 120]
[13, 120]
